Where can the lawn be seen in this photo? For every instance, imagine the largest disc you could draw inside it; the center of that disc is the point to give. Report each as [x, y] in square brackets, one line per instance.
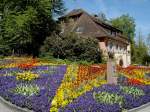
[44, 86]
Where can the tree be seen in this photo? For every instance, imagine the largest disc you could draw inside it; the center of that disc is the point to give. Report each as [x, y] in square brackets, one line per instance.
[102, 17]
[141, 50]
[127, 24]
[26, 23]
[73, 47]
[146, 60]
[148, 43]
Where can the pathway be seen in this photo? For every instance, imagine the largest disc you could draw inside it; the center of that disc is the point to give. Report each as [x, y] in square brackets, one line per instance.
[4, 108]
[144, 108]
[147, 109]
[8, 107]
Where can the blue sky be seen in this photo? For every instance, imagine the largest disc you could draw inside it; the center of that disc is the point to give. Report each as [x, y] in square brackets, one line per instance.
[138, 9]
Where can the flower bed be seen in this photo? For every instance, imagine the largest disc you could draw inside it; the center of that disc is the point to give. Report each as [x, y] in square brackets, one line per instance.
[34, 94]
[47, 87]
[135, 74]
[75, 83]
[108, 98]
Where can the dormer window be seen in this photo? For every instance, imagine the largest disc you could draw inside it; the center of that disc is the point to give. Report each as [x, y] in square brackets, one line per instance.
[79, 29]
[62, 30]
[113, 33]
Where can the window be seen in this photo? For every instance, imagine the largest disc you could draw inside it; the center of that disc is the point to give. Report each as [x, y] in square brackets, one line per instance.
[62, 30]
[79, 29]
[110, 46]
[128, 52]
[120, 48]
[113, 33]
[124, 49]
[117, 47]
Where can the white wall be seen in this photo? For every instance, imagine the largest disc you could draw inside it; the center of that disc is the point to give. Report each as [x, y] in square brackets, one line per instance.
[121, 51]
[129, 54]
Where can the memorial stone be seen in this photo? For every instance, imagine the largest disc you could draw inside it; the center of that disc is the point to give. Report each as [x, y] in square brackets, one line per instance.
[111, 72]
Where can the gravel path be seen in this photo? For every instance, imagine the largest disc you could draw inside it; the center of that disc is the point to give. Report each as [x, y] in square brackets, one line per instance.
[147, 109]
[8, 107]
[143, 108]
[4, 108]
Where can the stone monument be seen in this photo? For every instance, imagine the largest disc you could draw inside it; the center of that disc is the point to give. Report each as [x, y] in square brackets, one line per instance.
[111, 72]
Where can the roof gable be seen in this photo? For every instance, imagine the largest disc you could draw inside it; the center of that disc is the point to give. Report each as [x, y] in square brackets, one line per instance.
[92, 26]
[89, 26]
[77, 12]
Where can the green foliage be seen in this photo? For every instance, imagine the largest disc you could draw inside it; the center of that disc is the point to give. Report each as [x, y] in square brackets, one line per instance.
[146, 59]
[132, 90]
[72, 47]
[84, 62]
[27, 90]
[1, 57]
[108, 98]
[148, 41]
[141, 51]
[26, 23]
[126, 24]
[102, 17]
[51, 59]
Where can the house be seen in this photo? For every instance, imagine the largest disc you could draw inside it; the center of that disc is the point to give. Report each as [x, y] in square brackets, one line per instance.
[110, 39]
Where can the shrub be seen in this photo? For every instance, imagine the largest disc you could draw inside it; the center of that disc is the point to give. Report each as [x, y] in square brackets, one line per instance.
[2, 57]
[71, 46]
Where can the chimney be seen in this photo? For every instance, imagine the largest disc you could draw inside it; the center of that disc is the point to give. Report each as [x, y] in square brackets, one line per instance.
[95, 15]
